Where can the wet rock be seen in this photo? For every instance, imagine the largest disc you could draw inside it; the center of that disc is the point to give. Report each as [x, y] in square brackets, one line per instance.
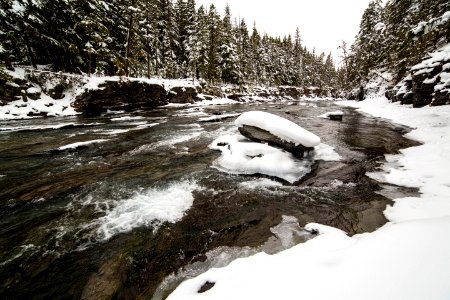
[334, 115]
[121, 95]
[261, 135]
[206, 287]
[104, 283]
[185, 94]
[327, 173]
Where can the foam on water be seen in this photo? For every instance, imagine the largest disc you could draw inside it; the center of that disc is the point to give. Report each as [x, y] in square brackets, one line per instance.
[326, 152]
[81, 144]
[40, 127]
[151, 207]
[177, 139]
[127, 118]
[260, 183]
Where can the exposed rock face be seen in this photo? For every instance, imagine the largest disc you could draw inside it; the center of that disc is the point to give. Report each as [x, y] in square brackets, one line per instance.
[441, 97]
[186, 94]
[120, 95]
[12, 90]
[427, 84]
[291, 91]
[213, 91]
[423, 85]
[53, 84]
[261, 135]
[236, 97]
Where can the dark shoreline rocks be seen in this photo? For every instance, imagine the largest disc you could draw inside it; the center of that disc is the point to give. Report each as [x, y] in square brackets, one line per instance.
[121, 95]
[426, 84]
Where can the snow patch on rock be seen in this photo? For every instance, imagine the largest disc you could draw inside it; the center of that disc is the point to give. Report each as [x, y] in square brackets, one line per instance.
[280, 127]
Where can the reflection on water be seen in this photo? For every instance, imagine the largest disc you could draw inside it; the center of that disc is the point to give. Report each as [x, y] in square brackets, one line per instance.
[108, 207]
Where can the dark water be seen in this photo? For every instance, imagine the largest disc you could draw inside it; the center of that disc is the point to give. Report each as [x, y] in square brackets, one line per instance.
[89, 222]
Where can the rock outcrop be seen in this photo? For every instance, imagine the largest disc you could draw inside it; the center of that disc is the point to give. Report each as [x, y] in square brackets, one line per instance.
[53, 84]
[277, 131]
[428, 82]
[182, 94]
[291, 91]
[260, 135]
[121, 95]
[13, 89]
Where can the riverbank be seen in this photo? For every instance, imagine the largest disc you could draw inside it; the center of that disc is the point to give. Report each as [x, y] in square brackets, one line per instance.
[31, 93]
[405, 259]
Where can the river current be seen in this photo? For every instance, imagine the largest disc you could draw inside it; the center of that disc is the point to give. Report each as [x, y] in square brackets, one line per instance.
[114, 206]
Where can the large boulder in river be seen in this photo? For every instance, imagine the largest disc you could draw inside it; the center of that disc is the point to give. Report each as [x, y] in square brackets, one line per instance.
[120, 95]
[276, 131]
[182, 94]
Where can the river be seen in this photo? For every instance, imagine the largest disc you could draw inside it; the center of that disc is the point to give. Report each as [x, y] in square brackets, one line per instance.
[115, 218]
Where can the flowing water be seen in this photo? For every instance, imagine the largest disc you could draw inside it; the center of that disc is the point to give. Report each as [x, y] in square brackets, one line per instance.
[111, 207]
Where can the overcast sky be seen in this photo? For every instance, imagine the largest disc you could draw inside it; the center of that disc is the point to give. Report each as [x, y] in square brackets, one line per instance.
[323, 23]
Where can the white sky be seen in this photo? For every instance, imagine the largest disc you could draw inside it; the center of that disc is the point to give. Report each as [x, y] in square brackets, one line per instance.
[323, 24]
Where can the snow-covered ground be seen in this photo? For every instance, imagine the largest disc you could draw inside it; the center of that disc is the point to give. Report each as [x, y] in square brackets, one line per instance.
[407, 259]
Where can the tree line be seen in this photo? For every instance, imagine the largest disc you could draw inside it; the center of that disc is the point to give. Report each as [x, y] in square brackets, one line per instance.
[155, 38]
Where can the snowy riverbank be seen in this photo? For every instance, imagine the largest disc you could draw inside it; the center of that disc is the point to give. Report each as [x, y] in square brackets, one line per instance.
[408, 258]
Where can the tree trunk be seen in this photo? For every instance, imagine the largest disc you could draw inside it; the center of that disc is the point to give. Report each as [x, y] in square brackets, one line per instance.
[7, 61]
[30, 53]
[129, 38]
[89, 64]
[148, 65]
[194, 72]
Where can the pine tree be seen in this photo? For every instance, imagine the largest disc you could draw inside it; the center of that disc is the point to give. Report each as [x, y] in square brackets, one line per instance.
[193, 40]
[228, 53]
[214, 29]
[243, 49]
[256, 53]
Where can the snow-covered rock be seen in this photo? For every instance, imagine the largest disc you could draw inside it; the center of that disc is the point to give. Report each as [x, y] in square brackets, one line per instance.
[333, 115]
[428, 83]
[33, 93]
[242, 156]
[269, 128]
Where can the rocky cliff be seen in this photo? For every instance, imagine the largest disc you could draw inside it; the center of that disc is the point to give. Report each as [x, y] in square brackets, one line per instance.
[428, 82]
